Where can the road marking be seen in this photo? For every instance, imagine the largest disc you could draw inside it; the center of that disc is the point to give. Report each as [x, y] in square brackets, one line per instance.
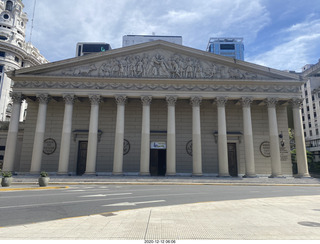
[75, 190]
[105, 195]
[131, 203]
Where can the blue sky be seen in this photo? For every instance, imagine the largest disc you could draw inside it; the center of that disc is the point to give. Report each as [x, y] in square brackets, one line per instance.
[281, 34]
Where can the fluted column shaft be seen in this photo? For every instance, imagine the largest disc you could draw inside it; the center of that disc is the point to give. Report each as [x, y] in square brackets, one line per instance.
[171, 136]
[93, 134]
[66, 134]
[11, 144]
[145, 136]
[39, 134]
[119, 135]
[274, 138]
[196, 136]
[222, 137]
[301, 154]
[248, 137]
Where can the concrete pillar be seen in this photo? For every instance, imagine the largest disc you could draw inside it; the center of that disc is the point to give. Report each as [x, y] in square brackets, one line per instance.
[145, 136]
[93, 134]
[248, 137]
[39, 134]
[11, 144]
[66, 134]
[196, 136]
[301, 154]
[222, 137]
[171, 136]
[119, 135]
[274, 138]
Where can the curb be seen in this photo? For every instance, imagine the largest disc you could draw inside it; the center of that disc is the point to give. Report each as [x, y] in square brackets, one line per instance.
[157, 183]
[34, 188]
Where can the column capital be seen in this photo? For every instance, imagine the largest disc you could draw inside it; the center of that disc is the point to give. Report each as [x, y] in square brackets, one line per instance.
[43, 98]
[171, 100]
[95, 99]
[121, 99]
[246, 101]
[221, 101]
[195, 101]
[68, 98]
[272, 102]
[16, 97]
[146, 100]
[296, 102]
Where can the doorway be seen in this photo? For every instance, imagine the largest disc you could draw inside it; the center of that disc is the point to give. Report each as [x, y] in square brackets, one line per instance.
[82, 157]
[158, 162]
[232, 159]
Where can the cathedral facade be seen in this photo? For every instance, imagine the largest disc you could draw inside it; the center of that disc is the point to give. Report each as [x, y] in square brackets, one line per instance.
[156, 109]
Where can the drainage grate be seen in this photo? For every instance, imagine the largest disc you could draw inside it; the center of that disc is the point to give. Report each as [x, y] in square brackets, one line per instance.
[309, 224]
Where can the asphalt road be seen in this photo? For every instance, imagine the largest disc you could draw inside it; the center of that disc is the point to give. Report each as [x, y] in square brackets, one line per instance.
[23, 207]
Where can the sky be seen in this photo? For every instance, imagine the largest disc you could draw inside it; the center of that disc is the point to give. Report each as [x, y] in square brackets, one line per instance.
[280, 34]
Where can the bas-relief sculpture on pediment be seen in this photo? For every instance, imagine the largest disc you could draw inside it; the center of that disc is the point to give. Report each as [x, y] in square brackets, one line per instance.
[159, 64]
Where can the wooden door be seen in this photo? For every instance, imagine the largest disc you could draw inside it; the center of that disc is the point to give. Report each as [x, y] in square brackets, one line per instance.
[82, 157]
[232, 159]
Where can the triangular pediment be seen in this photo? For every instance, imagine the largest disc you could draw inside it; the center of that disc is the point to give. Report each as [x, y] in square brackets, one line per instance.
[156, 60]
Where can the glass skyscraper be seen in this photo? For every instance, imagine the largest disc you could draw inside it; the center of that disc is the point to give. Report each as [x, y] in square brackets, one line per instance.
[227, 46]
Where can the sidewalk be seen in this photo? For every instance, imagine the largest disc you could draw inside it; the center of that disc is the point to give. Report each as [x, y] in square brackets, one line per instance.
[92, 179]
[283, 218]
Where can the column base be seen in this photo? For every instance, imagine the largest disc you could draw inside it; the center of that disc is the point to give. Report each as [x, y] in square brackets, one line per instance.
[117, 173]
[302, 176]
[250, 176]
[196, 174]
[277, 176]
[170, 174]
[144, 174]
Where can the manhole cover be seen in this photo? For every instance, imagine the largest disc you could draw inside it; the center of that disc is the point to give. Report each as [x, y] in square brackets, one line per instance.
[309, 224]
[107, 214]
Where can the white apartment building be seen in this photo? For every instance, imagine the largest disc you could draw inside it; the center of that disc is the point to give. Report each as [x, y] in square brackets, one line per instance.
[129, 40]
[311, 107]
[15, 53]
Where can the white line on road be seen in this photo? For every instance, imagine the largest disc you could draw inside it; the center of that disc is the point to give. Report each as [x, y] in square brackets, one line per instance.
[131, 203]
[105, 195]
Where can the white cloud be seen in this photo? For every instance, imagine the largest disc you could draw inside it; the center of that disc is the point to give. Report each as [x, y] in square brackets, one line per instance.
[60, 24]
[296, 45]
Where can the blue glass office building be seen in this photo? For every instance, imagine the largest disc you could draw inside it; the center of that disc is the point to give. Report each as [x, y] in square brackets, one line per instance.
[226, 46]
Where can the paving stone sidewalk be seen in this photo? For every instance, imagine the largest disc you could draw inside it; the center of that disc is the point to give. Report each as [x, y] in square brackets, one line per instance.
[282, 218]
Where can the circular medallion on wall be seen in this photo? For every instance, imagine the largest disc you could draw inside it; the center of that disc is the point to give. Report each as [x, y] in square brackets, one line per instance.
[49, 146]
[265, 149]
[189, 147]
[126, 147]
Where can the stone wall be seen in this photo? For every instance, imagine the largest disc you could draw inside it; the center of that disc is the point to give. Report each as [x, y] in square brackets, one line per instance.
[158, 127]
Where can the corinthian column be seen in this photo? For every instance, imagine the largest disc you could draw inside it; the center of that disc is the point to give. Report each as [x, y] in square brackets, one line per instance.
[11, 144]
[93, 135]
[171, 136]
[222, 137]
[274, 138]
[66, 134]
[37, 151]
[301, 154]
[196, 136]
[248, 137]
[145, 136]
[119, 135]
